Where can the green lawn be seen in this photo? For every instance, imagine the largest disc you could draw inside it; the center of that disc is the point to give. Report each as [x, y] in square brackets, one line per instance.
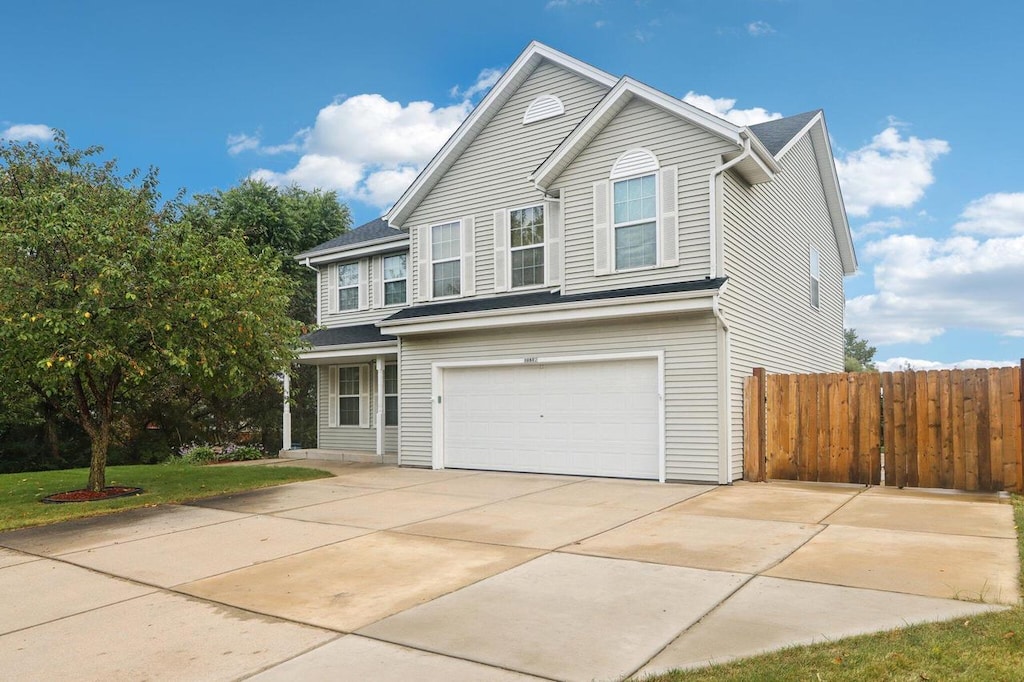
[988, 647]
[20, 494]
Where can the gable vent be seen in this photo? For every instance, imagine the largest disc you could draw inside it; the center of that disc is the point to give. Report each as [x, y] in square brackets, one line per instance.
[634, 162]
[545, 106]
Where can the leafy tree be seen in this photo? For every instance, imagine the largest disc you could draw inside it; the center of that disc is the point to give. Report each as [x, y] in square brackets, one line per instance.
[860, 356]
[289, 221]
[105, 294]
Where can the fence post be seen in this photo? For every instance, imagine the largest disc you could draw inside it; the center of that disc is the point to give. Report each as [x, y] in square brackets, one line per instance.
[1020, 451]
[762, 425]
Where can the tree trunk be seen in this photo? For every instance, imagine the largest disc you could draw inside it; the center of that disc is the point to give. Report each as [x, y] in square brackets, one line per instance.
[98, 462]
[50, 437]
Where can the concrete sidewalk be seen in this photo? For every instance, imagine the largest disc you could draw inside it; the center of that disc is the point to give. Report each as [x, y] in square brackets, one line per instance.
[385, 573]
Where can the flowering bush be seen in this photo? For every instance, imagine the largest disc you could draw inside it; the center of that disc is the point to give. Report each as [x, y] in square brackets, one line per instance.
[204, 453]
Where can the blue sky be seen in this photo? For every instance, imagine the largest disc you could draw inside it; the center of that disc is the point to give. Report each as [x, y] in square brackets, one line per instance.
[920, 103]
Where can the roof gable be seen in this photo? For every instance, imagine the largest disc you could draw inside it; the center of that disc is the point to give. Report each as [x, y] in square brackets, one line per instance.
[625, 91]
[534, 54]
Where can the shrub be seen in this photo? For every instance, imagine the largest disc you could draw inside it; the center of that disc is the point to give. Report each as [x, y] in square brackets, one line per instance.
[196, 453]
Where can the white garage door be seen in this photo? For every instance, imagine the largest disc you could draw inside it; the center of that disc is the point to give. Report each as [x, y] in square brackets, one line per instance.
[583, 418]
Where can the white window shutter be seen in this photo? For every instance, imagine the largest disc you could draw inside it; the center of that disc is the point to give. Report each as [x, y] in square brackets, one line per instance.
[332, 396]
[364, 396]
[602, 229]
[332, 288]
[364, 284]
[501, 250]
[668, 247]
[423, 284]
[553, 241]
[377, 282]
[468, 256]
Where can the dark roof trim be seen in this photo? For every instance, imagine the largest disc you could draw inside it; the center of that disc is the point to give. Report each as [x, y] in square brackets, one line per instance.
[543, 298]
[344, 336]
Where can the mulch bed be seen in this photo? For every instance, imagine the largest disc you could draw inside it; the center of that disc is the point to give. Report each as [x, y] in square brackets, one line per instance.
[110, 492]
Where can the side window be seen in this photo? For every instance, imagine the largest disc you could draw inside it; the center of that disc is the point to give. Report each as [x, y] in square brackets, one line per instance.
[395, 280]
[348, 286]
[635, 222]
[348, 396]
[445, 258]
[526, 245]
[390, 395]
[815, 277]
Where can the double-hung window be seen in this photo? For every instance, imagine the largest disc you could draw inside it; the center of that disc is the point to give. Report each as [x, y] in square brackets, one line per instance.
[527, 246]
[395, 282]
[815, 277]
[446, 259]
[635, 222]
[348, 396]
[391, 395]
[348, 286]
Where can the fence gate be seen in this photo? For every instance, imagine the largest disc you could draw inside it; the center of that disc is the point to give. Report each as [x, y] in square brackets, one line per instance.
[957, 429]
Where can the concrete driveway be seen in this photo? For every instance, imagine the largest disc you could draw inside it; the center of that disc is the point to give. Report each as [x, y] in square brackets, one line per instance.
[394, 574]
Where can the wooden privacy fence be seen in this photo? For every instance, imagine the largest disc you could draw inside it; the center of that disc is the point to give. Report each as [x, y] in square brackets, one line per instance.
[958, 429]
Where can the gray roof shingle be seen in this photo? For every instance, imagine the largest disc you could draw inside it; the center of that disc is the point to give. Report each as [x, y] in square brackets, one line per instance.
[371, 231]
[776, 134]
[541, 298]
[343, 336]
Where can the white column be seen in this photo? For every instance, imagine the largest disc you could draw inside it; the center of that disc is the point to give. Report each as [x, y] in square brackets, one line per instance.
[380, 405]
[286, 418]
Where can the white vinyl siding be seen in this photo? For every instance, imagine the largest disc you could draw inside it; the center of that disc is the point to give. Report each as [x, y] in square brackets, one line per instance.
[492, 172]
[371, 289]
[689, 343]
[347, 438]
[767, 229]
[687, 155]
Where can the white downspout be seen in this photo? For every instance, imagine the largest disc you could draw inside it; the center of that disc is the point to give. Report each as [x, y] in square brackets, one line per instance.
[286, 417]
[380, 407]
[724, 391]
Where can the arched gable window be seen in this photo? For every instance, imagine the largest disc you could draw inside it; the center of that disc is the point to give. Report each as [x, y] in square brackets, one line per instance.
[545, 106]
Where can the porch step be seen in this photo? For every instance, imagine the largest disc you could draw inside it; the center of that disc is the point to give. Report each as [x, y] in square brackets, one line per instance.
[341, 455]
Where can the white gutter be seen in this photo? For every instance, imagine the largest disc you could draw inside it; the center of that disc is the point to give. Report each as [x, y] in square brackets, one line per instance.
[714, 195]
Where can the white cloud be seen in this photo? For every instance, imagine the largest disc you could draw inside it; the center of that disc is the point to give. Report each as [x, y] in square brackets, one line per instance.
[561, 4]
[760, 28]
[600, 23]
[484, 81]
[23, 132]
[890, 224]
[724, 108]
[997, 215]
[925, 286]
[890, 171]
[899, 363]
[243, 142]
[367, 147]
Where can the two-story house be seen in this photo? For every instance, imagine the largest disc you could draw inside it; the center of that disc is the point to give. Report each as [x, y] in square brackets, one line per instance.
[579, 282]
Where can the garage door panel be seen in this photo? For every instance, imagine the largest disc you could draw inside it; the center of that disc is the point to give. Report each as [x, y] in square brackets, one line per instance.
[588, 418]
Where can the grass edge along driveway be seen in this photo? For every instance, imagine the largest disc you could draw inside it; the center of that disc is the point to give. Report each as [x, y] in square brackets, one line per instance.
[168, 483]
[988, 647]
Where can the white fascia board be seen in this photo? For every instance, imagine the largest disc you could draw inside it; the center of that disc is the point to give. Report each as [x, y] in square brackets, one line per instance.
[321, 353]
[370, 250]
[818, 133]
[607, 108]
[764, 156]
[577, 311]
[499, 93]
[351, 250]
